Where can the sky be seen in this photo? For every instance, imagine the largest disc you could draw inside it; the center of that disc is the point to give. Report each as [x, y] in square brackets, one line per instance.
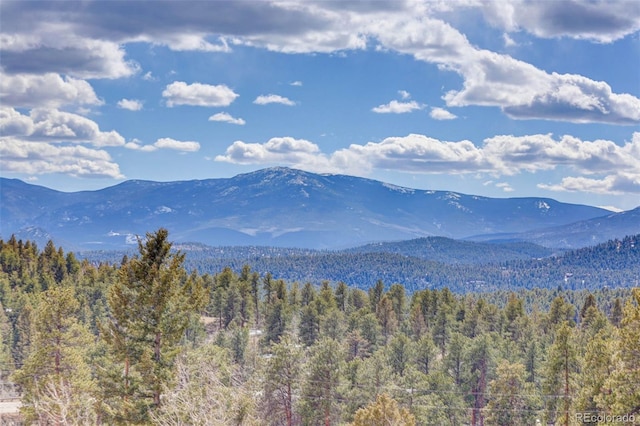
[510, 98]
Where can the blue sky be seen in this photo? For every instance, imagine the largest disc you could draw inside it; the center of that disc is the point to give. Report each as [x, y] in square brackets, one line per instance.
[504, 99]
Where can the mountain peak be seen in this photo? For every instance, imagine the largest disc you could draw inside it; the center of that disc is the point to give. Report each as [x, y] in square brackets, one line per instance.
[277, 206]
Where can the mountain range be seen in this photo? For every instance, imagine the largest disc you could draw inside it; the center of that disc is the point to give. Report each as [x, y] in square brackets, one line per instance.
[285, 207]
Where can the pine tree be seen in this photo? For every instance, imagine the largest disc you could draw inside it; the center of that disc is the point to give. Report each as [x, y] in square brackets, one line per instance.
[480, 359]
[56, 378]
[561, 369]
[596, 370]
[319, 402]
[400, 351]
[512, 401]
[622, 396]
[282, 382]
[150, 308]
[383, 412]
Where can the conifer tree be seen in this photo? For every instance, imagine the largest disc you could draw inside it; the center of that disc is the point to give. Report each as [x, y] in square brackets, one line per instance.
[561, 369]
[56, 378]
[320, 399]
[385, 411]
[282, 382]
[512, 401]
[622, 395]
[150, 308]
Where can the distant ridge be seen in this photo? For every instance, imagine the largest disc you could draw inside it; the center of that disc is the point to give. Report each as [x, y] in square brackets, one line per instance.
[274, 207]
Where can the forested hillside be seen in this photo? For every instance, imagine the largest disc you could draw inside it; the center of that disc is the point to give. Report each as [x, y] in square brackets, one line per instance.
[462, 267]
[146, 341]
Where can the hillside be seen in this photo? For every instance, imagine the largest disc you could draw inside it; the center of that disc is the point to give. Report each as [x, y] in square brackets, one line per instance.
[271, 207]
[612, 264]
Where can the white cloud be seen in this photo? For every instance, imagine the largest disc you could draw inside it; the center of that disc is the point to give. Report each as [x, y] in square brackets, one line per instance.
[492, 79]
[227, 118]
[599, 21]
[578, 99]
[508, 41]
[148, 76]
[19, 156]
[88, 43]
[137, 146]
[504, 186]
[168, 143]
[48, 90]
[621, 183]
[285, 150]
[57, 49]
[14, 123]
[296, 83]
[164, 143]
[49, 141]
[415, 153]
[511, 154]
[396, 107]
[51, 125]
[273, 99]
[197, 94]
[191, 42]
[130, 104]
[404, 94]
[442, 114]
[605, 165]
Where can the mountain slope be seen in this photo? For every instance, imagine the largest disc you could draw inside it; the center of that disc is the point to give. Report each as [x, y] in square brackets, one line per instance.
[578, 234]
[277, 207]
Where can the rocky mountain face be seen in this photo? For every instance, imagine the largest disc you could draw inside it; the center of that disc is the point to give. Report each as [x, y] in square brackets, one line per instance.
[275, 207]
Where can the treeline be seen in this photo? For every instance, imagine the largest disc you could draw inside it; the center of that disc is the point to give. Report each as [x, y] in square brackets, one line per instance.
[145, 341]
[433, 263]
[613, 264]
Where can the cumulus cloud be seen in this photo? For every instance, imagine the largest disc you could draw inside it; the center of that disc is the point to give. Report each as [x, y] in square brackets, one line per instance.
[163, 143]
[197, 94]
[273, 99]
[227, 118]
[88, 42]
[48, 90]
[19, 156]
[605, 166]
[297, 83]
[55, 48]
[285, 150]
[185, 146]
[442, 114]
[579, 99]
[51, 141]
[130, 104]
[396, 107]
[599, 21]
[51, 125]
[517, 87]
[415, 153]
[511, 154]
[621, 183]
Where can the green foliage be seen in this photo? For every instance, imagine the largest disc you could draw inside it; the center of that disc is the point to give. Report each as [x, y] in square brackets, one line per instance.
[383, 412]
[56, 378]
[151, 305]
[319, 402]
[274, 352]
[511, 400]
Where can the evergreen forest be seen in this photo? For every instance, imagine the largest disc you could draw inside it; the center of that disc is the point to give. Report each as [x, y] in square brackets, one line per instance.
[148, 340]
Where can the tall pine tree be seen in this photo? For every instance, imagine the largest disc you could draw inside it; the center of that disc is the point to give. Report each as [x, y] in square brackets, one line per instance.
[150, 304]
